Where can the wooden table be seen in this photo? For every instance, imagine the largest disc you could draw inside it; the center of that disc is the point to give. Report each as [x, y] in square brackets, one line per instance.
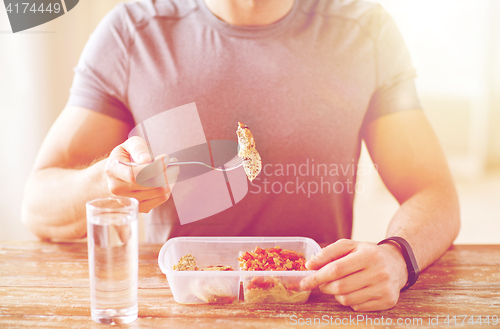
[47, 285]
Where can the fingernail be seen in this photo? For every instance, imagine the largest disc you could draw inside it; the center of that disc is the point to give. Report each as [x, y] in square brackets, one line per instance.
[304, 285]
[174, 160]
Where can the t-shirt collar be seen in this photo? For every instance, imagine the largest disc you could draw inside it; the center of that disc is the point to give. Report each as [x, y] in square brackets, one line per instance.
[247, 31]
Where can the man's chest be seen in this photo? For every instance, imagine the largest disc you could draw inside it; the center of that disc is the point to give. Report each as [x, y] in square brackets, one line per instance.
[301, 92]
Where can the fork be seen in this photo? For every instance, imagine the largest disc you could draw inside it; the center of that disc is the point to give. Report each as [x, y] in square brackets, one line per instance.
[234, 163]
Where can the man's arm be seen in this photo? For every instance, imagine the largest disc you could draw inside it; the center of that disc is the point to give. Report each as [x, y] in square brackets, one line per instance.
[72, 167]
[411, 163]
[414, 169]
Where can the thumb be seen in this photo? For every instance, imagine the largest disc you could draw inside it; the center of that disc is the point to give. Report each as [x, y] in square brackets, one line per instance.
[138, 149]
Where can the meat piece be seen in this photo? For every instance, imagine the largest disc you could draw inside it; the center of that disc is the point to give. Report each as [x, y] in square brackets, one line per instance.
[252, 162]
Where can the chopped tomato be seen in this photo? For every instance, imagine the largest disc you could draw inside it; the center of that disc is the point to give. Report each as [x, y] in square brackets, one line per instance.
[272, 259]
[258, 250]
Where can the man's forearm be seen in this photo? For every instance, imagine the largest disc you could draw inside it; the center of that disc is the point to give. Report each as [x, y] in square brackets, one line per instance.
[54, 200]
[429, 221]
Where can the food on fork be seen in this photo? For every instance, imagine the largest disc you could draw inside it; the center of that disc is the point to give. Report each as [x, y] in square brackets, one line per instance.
[252, 162]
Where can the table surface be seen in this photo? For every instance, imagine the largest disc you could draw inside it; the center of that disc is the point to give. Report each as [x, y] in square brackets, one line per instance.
[47, 285]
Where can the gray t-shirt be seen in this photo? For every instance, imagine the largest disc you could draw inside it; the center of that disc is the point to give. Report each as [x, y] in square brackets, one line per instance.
[304, 85]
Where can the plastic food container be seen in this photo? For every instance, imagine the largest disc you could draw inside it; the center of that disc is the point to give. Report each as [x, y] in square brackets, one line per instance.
[201, 287]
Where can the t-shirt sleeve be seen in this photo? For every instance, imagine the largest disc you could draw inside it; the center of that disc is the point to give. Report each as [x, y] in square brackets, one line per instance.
[395, 83]
[101, 75]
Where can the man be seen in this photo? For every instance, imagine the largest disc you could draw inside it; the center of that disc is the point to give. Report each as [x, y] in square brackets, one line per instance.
[311, 79]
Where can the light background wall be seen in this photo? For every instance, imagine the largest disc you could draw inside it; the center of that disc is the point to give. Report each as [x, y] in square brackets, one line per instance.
[455, 46]
[36, 71]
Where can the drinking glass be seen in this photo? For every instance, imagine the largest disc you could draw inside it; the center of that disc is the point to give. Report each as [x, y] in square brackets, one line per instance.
[113, 244]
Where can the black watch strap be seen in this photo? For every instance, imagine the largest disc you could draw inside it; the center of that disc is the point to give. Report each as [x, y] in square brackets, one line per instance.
[411, 262]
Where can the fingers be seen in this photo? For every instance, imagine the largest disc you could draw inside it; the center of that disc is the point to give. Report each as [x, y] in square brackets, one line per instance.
[118, 171]
[134, 147]
[148, 198]
[152, 168]
[348, 284]
[157, 174]
[372, 298]
[170, 176]
[121, 178]
[330, 253]
[150, 175]
[331, 264]
[335, 270]
[150, 183]
[148, 194]
[146, 206]
[138, 149]
[365, 276]
[375, 305]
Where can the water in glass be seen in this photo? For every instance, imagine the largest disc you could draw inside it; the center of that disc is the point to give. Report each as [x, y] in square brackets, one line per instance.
[113, 260]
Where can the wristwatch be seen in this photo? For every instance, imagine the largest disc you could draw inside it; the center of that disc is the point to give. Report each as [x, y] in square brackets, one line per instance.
[411, 262]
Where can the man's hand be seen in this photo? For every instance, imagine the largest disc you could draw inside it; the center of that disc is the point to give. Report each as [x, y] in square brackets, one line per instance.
[364, 276]
[122, 179]
[66, 174]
